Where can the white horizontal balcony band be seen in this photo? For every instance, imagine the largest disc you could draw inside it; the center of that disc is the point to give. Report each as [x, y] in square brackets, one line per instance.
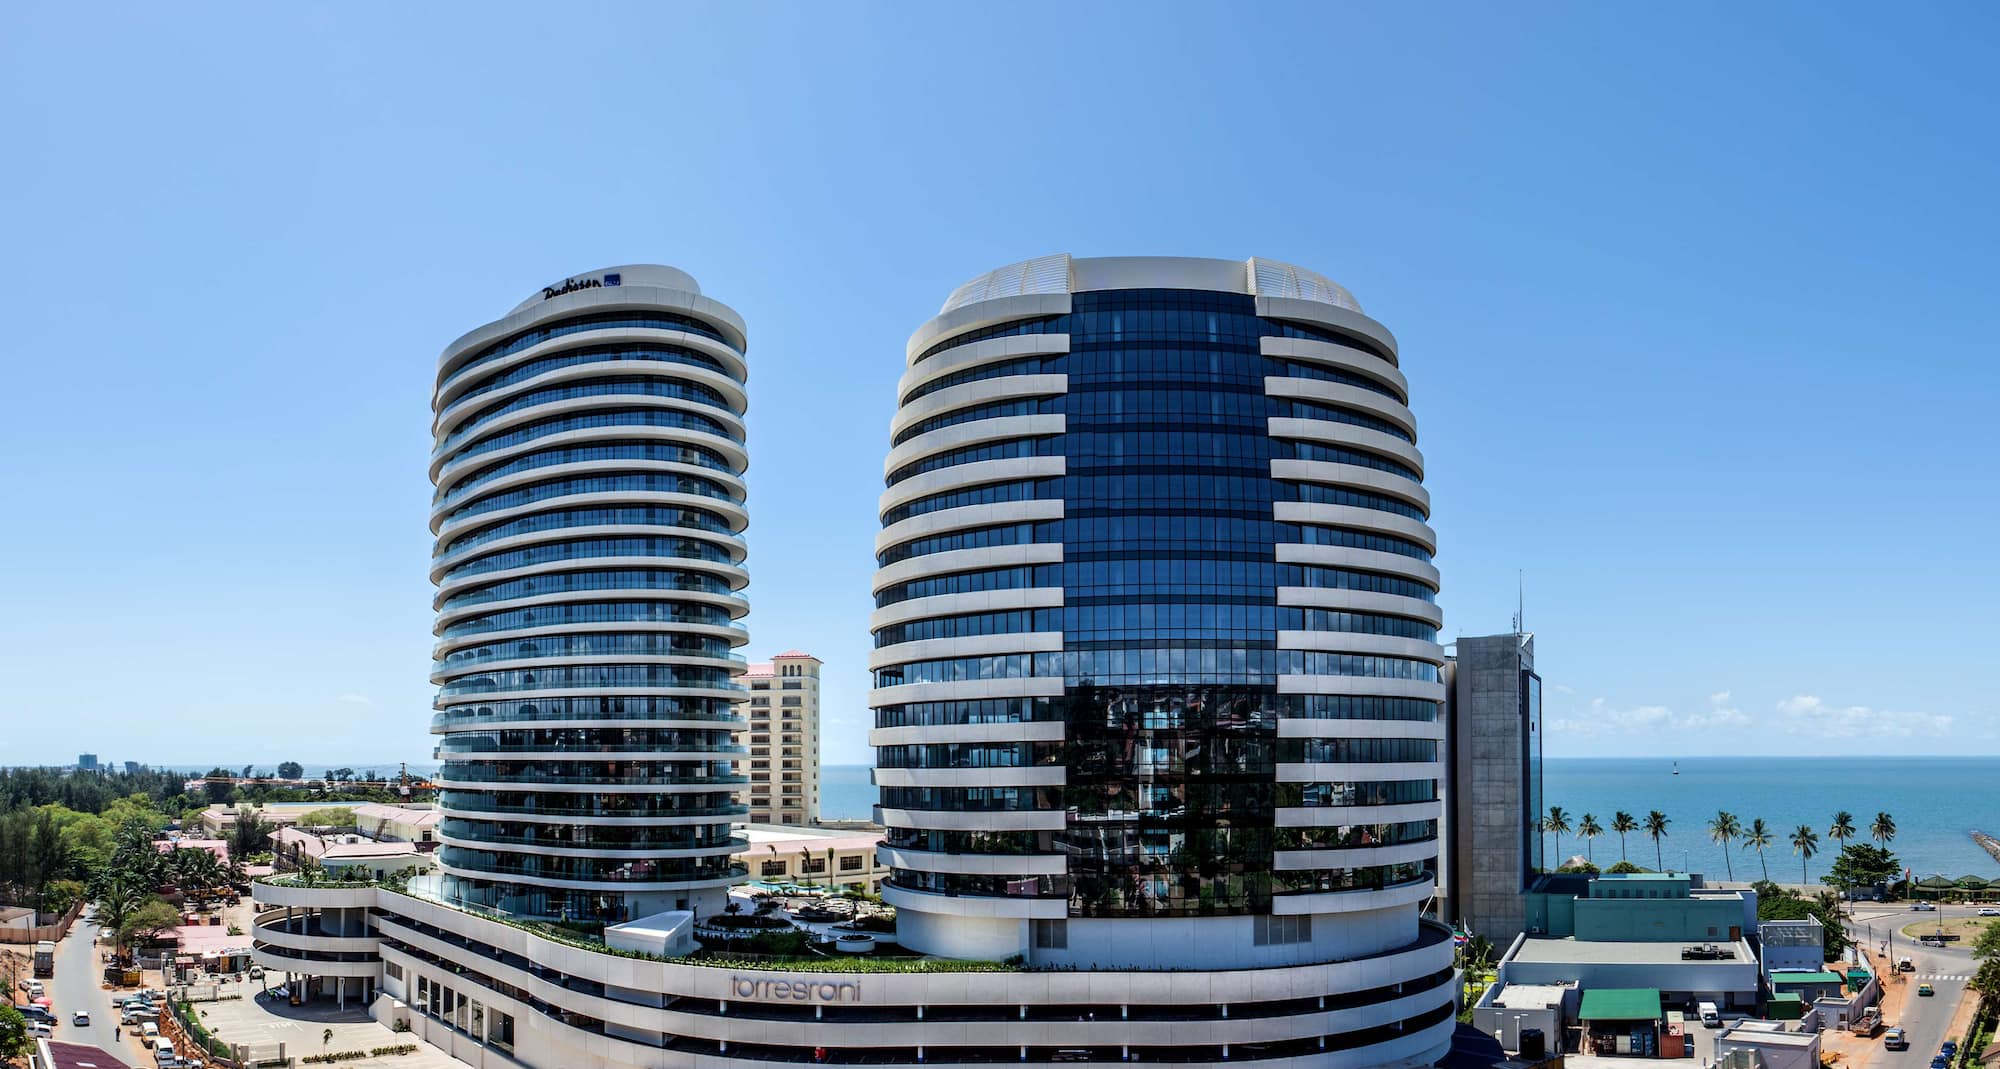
[950, 820]
[1342, 395]
[975, 905]
[732, 512]
[1329, 315]
[1349, 642]
[1327, 354]
[455, 385]
[506, 719]
[973, 394]
[968, 318]
[1333, 433]
[451, 467]
[569, 406]
[1306, 597]
[627, 886]
[936, 649]
[1353, 901]
[646, 821]
[1361, 686]
[977, 601]
[1354, 476]
[1302, 728]
[980, 354]
[512, 480]
[977, 432]
[1358, 518]
[983, 558]
[275, 934]
[733, 546]
[582, 850]
[1357, 771]
[266, 895]
[593, 787]
[443, 702]
[278, 961]
[1354, 857]
[973, 864]
[1367, 560]
[963, 476]
[554, 754]
[447, 616]
[962, 690]
[733, 574]
[1336, 816]
[1033, 731]
[1024, 776]
[734, 636]
[587, 302]
[455, 415]
[965, 518]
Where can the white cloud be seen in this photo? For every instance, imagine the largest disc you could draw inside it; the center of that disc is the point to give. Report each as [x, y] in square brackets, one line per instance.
[1603, 719]
[355, 699]
[1561, 689]
[1807, 714]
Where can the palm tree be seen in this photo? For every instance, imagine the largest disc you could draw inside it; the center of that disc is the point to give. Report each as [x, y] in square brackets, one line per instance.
[1883, 830]
[1724, 828]
[1757, 838]
[1622, 822]
[1805, 843]
[1656, 826]
[1843, 827]
[1590, 829]
[1558, 823]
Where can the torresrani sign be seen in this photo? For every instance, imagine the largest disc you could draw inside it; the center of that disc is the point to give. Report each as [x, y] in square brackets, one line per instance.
[759, 987]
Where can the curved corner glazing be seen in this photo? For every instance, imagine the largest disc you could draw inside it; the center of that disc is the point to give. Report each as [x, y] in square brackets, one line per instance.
[589, 518]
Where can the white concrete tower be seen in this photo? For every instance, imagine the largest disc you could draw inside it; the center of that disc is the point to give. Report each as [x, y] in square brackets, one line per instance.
[589, 563]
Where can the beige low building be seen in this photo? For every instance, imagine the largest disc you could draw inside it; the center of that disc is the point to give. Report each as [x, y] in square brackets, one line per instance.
[781, 853]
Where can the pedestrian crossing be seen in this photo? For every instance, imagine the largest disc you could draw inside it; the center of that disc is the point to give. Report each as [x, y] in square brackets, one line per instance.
[1944, 976]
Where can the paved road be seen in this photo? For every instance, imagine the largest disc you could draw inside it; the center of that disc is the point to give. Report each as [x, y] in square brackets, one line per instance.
[79, 986]
[1945, 969]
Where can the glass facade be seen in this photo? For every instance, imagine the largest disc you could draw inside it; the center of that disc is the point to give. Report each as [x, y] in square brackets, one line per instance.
[586, 672]
[1169, 616]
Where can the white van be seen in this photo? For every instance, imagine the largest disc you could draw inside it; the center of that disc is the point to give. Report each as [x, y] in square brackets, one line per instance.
[1710, 1016]
[151, 1030]
[163, 1052]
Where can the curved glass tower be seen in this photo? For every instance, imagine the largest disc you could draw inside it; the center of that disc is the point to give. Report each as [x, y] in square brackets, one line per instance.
[1156, 660]
[589, 563]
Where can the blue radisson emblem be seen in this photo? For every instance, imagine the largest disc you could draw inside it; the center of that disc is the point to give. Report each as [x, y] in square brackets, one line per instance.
[614, 279]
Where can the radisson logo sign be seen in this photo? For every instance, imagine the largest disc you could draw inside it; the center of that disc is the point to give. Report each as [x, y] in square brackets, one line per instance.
[759, 987]
[571, 285]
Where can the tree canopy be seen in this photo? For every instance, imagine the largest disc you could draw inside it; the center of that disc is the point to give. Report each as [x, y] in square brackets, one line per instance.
[1862, 865]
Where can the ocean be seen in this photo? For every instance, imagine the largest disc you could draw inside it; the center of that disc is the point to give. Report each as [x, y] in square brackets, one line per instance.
[1936, 802]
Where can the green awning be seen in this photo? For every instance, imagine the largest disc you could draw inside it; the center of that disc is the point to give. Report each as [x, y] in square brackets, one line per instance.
[1788, 998]
[1787, 976]
[1621, 1004]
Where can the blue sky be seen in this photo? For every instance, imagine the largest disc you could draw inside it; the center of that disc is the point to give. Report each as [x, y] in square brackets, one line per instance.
[1697, 305]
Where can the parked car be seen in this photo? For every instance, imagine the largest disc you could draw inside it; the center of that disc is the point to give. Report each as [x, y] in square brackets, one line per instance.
[1926, 990]
[1989, 911]
[1906, 965]
[1895, 1039]
[256, 972]
[1950, 1048]
[41, 1029]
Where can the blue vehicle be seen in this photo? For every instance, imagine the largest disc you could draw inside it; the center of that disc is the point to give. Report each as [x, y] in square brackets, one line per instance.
[1950, 1048]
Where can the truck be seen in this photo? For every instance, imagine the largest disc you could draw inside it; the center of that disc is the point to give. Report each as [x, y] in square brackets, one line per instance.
[45, 959]
[1868, 1024]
